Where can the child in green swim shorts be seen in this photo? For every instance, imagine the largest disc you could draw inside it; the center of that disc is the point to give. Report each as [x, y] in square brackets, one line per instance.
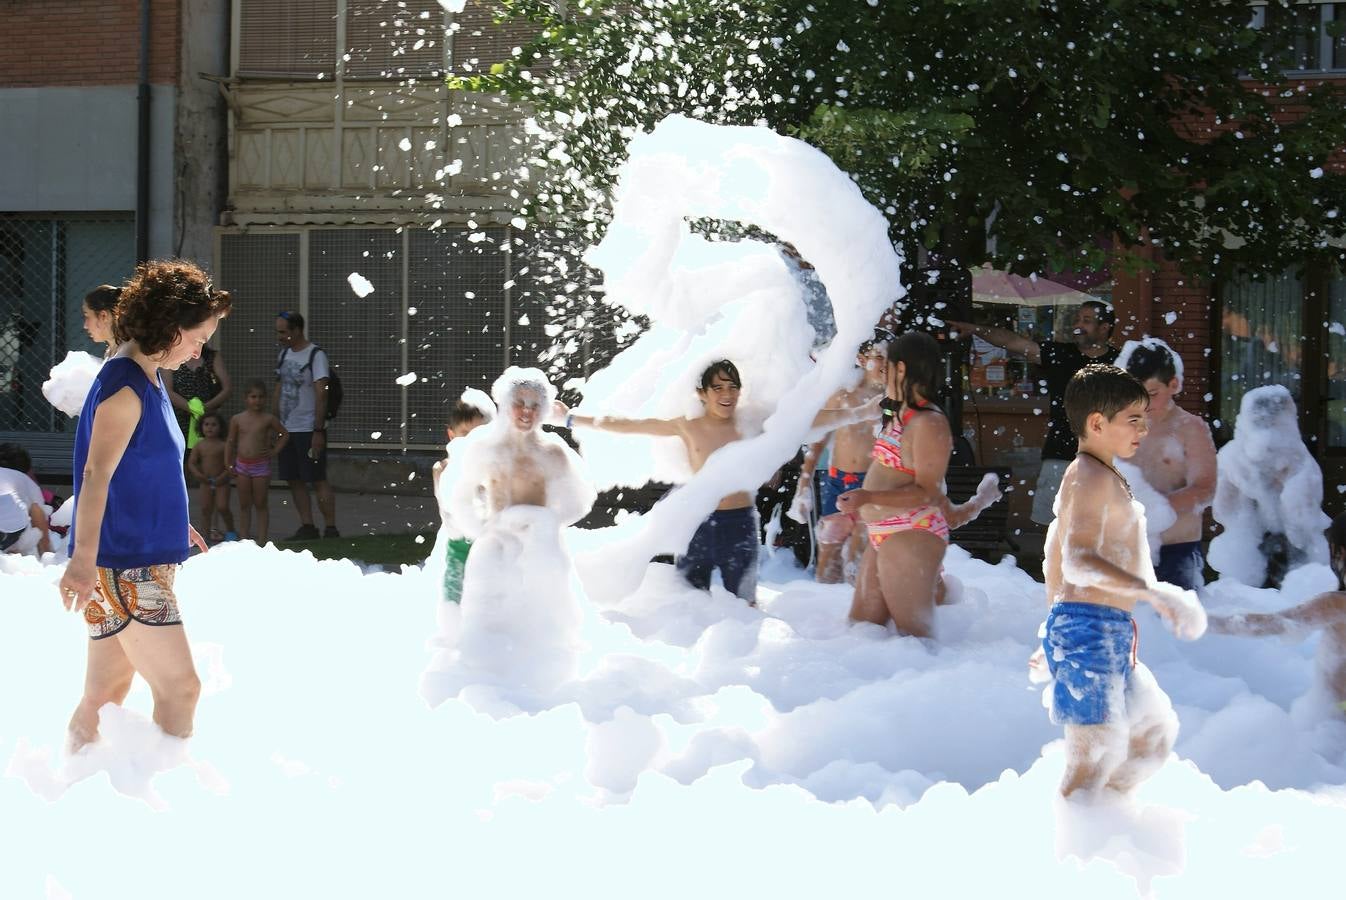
[472, 410]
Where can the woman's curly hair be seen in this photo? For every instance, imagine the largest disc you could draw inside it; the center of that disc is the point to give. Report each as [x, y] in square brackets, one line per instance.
[163, 298]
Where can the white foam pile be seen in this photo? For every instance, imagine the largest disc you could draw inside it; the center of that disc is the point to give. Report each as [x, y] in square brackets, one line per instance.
[70, 380]
[749, 745]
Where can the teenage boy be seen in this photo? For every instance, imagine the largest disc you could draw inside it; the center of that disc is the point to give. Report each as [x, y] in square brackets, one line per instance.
[1177, 458]
[1119, 725]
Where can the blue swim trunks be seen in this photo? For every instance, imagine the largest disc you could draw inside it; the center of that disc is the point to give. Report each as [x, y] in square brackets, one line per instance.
[1091, 653]
[832, 484]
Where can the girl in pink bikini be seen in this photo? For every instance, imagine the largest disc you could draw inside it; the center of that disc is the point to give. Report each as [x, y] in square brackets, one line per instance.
[902, 500]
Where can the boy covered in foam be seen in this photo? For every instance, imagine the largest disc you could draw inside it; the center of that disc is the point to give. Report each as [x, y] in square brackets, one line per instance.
[1119, 725]
[510, 489]
[1176, 459]
[473, 409]
[1269, 495]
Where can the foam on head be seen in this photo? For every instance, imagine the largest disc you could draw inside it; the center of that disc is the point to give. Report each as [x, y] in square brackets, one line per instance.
[529, 383]
[1144, 359]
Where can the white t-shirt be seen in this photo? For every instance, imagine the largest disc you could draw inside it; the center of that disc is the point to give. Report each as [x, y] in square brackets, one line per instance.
[18, 493]
[296, 386]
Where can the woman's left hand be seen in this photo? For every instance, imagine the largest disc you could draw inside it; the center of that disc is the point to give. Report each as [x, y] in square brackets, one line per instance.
[851, 501]
[194, 538]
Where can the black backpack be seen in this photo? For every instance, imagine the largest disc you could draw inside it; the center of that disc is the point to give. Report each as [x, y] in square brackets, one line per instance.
[334, 391]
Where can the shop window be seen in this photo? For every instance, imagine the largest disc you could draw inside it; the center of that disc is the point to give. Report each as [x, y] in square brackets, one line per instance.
[1261, 339]
[1309, 35]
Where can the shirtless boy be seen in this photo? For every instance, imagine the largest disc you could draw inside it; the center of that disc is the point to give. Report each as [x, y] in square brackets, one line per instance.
[516, 463]
[1177, 458]
[728, 539]
[256, 436]
[851, 445]
[1119, 725]
[1327, 612]
[207, 463]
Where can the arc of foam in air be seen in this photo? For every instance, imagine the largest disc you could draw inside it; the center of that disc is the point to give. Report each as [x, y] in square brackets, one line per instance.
[684, 170]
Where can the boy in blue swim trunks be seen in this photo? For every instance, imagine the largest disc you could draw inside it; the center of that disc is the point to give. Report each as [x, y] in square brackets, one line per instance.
[1119, 725]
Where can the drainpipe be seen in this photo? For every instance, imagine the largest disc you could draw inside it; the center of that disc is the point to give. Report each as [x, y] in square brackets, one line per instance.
[143, 139]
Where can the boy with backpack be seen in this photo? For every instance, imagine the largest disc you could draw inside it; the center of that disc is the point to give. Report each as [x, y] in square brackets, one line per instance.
[304, 400]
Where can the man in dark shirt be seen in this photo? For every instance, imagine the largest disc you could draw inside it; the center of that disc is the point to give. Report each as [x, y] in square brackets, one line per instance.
[1059, 361]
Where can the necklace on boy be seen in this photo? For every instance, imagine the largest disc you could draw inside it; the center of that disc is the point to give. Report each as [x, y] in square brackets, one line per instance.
[1125, 484]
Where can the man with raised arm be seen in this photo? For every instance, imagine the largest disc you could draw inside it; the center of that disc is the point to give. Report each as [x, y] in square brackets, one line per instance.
[1059, 360]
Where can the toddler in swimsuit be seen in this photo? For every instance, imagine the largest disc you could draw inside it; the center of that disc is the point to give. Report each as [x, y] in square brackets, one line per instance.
[255, 437]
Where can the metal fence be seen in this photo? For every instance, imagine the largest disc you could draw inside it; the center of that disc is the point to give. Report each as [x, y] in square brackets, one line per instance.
[47, 265]
[448, 305]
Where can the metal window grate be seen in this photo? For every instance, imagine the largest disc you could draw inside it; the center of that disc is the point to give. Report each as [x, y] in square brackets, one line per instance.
[464, 331]
[457, 337]
[47, 265]
[362, 336]
[260, 270]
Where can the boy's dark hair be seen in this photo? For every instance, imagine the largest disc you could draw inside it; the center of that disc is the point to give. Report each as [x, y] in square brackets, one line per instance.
[1106, 314]
[12, 456]
[162, 299]
[866, 347]
[1336, 546]
[1100, 388]
[919, 352]
[103, 298]
[256, 384]
[722, 367]
[292, 319]
[1148, 362]
[463, 412]
[224, 426]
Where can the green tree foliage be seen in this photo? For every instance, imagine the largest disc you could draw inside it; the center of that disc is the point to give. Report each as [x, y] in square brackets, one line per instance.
[1058, 122]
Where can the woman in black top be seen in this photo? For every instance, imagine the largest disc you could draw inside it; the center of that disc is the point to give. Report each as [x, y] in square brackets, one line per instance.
[204, 378]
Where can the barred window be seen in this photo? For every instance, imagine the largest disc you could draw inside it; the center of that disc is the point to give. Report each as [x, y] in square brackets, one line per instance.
[446, 305]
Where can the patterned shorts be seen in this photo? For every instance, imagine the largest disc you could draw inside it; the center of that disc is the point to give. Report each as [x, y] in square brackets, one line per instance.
[120, 595]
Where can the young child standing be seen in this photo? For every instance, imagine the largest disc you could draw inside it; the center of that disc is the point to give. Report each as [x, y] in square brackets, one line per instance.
[207, 464]
[470, 412]
[255, 437]
[1119, 725]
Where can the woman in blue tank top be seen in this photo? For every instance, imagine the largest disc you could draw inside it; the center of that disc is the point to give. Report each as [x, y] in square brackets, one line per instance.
[130, 528]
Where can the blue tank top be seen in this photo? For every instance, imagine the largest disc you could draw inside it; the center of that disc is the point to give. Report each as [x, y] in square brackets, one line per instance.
[145, 521]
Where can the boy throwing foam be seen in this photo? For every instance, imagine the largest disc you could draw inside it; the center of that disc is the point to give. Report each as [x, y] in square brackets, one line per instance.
[1119, 725]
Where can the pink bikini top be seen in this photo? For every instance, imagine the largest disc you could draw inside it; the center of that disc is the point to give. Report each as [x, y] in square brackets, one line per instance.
[888, 445]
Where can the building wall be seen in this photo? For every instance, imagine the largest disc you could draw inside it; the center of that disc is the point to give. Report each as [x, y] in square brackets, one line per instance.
[73, 149]
[85, 42]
